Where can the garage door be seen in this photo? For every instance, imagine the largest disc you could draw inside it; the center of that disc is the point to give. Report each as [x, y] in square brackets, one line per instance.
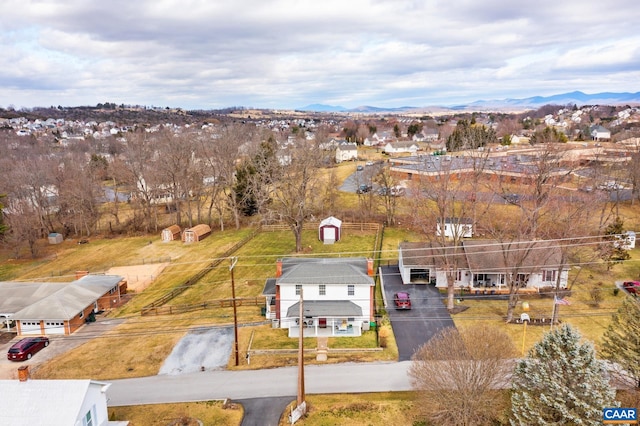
[30, 327]
[54, 327]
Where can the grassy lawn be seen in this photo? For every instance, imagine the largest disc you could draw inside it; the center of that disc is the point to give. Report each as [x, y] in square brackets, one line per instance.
[209, 412]
[138, 356]
[370, 409]
[590, 319]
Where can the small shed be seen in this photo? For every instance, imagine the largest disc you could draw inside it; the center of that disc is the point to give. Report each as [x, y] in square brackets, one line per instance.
[330, 230]
[171, 233]
[197, 233]
[55, 238]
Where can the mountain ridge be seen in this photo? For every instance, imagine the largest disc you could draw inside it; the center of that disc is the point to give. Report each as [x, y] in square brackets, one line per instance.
[576, 97]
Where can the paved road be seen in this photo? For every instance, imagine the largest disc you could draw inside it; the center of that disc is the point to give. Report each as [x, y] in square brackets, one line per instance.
[248, 384]
[428, 315]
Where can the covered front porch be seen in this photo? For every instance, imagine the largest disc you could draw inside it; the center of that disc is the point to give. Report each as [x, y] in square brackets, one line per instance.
[333, 318]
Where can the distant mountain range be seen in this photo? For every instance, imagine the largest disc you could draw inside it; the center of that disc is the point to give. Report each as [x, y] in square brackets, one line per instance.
[570, 98]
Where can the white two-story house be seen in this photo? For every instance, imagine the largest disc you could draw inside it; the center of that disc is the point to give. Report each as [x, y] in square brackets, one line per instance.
[336, 295]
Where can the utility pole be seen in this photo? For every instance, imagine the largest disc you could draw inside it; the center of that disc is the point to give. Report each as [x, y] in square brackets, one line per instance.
[234, 260]
[301, 356]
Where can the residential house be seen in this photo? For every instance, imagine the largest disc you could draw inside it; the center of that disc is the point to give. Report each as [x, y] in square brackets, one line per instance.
[54, 402]
[455, 227]
[426, 135]
[484, 264]
[338, 295]
[59, 308]
[346, 152]
[401, 147]
[599, 133]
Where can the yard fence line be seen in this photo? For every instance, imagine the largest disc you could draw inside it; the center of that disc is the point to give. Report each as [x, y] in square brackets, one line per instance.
[358, 226]
[197, 277]
[212, 304]
[314, 350]
[157, 307]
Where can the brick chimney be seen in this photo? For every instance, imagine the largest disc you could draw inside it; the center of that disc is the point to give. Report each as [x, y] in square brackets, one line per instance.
[278, 268]
[80, 274]
[23, 373]
[370, 267]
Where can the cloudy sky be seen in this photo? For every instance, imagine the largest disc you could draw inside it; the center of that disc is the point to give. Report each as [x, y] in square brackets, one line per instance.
[291, 53]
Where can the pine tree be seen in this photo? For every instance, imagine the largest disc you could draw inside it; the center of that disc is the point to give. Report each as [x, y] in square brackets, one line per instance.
[560, 383]
[621, 341]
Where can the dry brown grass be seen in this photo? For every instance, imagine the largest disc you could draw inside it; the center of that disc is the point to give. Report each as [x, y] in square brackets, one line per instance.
[370, 409]
[209, 412]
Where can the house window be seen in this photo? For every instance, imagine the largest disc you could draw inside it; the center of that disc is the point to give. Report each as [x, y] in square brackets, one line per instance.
[81, 314]
[351, 290]
[298, 289]
[323, 289]
[549, 275]
[459, 275]
[87, 420]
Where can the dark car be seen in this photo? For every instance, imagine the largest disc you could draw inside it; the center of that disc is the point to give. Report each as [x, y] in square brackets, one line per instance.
[402, 300]
[359, 168]
[633, 287]
[364, 188]
[26, 348]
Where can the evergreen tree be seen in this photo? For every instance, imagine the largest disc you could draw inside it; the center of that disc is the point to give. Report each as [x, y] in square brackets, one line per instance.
[468, 135]
[621, 341]
[560, 383]
[613, 251]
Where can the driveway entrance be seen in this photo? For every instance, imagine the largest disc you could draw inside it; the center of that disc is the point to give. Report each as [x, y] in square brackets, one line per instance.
[427, 316]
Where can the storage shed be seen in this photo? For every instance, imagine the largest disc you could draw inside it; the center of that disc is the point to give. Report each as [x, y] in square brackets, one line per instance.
[55, 238]
[330, 230]
[171, 233]
[197, 233]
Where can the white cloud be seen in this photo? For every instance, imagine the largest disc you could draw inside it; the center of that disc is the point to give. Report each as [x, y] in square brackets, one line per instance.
[288, 53]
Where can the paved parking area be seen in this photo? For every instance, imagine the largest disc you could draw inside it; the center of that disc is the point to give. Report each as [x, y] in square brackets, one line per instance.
[427, 316]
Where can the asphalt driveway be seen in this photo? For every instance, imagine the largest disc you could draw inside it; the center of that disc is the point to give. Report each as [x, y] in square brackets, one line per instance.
[428, 315]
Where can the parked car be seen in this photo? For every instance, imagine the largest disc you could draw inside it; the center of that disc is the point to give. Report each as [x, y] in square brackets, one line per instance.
[512, 198]
[26, 348]
[359, 168]
[633, 287]
[364, 188]
[402, 300]
[369, 163]
[395, 191]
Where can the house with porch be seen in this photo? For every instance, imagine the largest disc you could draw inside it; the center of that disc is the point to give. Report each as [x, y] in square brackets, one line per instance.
[336, 294]
[484, 265]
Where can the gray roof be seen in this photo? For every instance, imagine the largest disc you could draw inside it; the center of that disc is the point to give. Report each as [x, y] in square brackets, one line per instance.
[269, 287]
[524, 256]
[70, 299]
[325, 271]
[15, 296]
[428, 255]
[325, 308]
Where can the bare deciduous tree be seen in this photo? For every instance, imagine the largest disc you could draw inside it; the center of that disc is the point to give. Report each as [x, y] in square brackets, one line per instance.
[458, 375]
[295, 187]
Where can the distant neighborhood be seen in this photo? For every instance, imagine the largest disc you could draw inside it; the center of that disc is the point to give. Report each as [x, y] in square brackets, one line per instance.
[160, 239]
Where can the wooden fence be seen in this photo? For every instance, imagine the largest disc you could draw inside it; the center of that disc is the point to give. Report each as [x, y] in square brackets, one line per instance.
[211, 304]
[365, 226]
[195, 278]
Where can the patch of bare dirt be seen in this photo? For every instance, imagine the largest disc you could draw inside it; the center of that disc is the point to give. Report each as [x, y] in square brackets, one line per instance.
[138, 277]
